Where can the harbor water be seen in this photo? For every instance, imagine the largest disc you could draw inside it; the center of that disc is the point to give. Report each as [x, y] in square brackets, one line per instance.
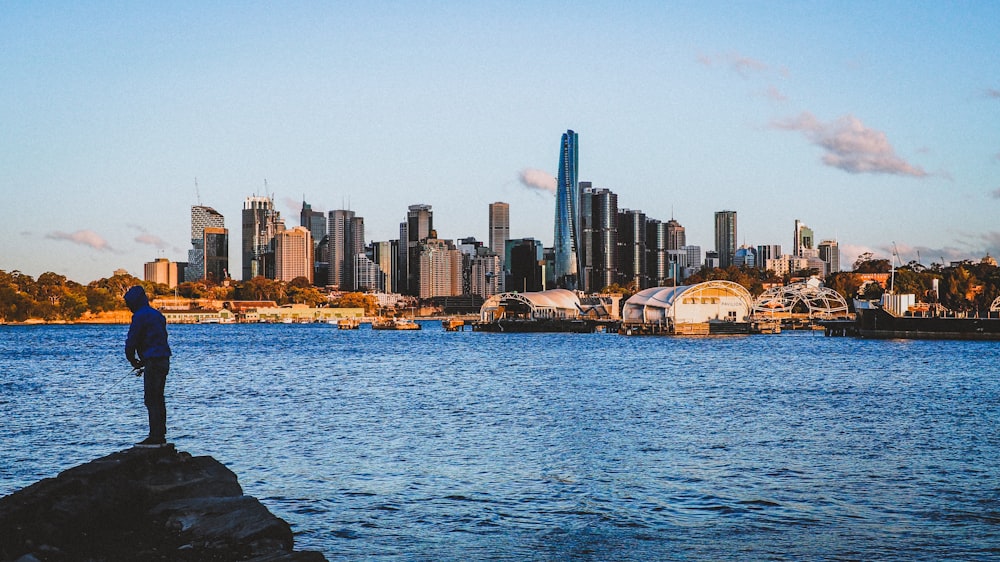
[431, 445]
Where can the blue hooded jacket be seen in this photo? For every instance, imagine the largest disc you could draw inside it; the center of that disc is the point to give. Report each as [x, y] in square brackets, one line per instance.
[147, 336]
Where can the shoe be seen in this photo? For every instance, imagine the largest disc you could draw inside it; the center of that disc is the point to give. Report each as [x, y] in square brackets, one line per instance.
[151, 443]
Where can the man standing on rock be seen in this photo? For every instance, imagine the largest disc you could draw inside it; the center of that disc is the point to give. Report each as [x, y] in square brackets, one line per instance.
[146, 348]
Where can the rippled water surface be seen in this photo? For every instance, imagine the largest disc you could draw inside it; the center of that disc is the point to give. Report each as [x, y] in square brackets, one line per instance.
[461, 446]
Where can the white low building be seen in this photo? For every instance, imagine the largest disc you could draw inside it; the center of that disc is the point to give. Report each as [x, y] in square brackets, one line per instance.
[689, 304]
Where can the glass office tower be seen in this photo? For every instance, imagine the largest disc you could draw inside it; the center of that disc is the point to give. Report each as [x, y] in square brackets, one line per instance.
[566, 238]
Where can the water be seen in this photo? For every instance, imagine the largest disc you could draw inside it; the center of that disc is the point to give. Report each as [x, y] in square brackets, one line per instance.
[467, 446]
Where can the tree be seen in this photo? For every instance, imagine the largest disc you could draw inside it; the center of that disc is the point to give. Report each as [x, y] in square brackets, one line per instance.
[957, 288]
[358, 300]
[867, 264]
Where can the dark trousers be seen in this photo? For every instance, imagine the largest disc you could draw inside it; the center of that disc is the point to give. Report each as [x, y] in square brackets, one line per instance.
[154, 380]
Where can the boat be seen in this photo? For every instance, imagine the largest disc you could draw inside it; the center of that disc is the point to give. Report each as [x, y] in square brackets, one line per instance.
[348, 324]
[394, 324]
[895, 317]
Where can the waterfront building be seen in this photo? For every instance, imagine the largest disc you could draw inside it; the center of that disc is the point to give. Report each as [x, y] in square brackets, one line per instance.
[418, 226]
[345, 241]
[386, 255]
[161, 270]
[725, 237]
[203, 217]
[293, 253]
[829, 252]
[675, 307]
[440, 267]
[567, 216]
[632, 249]
[499, 227]
[803, 240]
[261, 221]
[599, 220]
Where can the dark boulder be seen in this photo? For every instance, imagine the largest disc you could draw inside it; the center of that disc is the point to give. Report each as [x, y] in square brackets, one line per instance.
[143, 504]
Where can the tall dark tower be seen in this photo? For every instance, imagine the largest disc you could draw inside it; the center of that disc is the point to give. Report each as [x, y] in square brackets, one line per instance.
[725, 237]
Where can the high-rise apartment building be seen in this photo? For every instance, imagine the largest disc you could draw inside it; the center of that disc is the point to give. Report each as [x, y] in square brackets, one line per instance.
[216, 254]
[657, 255]
[676, 239]
[418, 226]
[599, 220]
[367, 274]
[293, 251]
[803, 240]
[725, 237]
[632, 248]
[261, 221]
[499, 226]
[345, 241]
[767, 252]
[567, 217]
[386, 256]
[440, 269]
[203, 217]
[829, 252]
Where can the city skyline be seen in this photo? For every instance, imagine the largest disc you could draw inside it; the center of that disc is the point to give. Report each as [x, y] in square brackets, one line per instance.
[873, 124]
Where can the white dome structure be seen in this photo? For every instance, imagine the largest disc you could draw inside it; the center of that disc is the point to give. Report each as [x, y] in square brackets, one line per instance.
[689, 304]
[554, 303]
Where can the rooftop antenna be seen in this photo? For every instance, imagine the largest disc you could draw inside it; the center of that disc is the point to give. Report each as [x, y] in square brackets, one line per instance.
[197, 193]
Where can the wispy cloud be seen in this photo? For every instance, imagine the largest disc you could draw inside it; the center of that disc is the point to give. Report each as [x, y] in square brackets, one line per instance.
[534, 178]
[850, 145]
[740, 64]
[82, 237]
[995, 193]
[773, 94]
[993, 93]
[152, 240]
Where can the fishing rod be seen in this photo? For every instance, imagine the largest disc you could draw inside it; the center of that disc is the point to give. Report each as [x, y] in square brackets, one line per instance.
[137, 371]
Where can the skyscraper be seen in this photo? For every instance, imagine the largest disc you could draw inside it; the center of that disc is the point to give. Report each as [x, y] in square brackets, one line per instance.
[566, 237]
[418, 226]
[216, 255]
[829, 252]
[201, 218]
[293, 250]
[261, 221]
[345, 241]
[499, 227]
[725, 237]
[599, 216]
[803, 240]
[675, 235]
[632, 248]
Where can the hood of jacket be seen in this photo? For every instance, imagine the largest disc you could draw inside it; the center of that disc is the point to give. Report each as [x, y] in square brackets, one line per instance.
[136, 298]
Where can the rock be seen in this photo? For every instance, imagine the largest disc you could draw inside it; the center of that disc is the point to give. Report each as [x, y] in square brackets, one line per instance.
[143, 504]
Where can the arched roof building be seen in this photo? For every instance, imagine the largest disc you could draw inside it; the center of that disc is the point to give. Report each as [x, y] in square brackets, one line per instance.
[554, 303]
[689, 304]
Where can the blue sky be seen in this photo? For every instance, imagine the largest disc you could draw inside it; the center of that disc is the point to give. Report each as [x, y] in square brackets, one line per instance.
[872, 122]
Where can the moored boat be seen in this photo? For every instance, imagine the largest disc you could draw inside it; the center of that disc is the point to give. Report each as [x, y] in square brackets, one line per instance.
[893, 318]
[394, 324]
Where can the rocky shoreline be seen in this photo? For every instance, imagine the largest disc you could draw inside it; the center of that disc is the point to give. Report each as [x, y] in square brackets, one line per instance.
[143, 504]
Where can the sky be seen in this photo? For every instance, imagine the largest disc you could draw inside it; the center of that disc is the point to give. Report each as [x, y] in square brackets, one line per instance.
[877, 124]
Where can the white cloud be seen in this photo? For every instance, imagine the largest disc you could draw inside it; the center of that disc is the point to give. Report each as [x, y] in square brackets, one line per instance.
[850, 145]
[537, 179]
[82, 237]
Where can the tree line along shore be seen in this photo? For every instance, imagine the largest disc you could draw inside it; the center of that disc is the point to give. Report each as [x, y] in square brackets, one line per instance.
[966, 286]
